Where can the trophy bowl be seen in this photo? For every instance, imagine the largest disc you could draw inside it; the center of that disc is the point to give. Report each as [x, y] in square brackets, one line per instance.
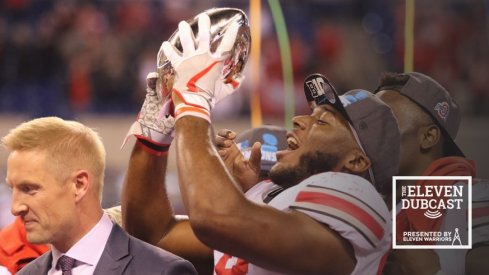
[221, 19]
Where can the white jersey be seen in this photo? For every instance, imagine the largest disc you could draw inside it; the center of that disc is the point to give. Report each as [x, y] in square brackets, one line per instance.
[225, 264]
[452, 261]
[348, 204]
[480, 211]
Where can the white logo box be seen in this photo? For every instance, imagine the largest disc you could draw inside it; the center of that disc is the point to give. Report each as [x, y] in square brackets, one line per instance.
[468, 179]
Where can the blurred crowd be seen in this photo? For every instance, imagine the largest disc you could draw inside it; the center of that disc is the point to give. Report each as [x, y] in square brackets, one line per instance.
[64, 57]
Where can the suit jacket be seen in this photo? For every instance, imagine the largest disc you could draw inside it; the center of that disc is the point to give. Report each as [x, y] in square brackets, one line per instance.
[124, 254]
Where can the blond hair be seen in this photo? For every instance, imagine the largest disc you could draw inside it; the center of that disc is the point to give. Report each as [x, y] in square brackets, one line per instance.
[69, 145]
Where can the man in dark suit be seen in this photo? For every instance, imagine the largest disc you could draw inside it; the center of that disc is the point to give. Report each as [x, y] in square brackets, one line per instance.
[55, 170]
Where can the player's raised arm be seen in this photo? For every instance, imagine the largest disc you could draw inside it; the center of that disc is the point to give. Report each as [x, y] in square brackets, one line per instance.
[147, 210]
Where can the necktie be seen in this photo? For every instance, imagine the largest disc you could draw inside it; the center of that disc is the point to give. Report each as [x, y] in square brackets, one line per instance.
[66, 264]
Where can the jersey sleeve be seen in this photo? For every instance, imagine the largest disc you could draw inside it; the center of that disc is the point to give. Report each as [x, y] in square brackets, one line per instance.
[480, 211]
[348, 204]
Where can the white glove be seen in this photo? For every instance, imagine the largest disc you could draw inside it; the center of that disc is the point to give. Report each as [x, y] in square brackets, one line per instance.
[154, 127]
[199, 79]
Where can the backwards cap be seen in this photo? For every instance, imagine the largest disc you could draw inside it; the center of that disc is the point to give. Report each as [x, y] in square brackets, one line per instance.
[435, 100]
[373, 125]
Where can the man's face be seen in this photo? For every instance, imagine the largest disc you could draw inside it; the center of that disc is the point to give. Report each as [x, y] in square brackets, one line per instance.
[410, 117]
[318, 143]
[45, 204]
[404, 109]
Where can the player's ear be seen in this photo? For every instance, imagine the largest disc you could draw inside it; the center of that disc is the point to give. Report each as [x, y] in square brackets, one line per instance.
[356, 162]
[429, 136]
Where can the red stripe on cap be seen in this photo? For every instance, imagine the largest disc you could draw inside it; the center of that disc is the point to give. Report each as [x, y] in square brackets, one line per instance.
[345, 206]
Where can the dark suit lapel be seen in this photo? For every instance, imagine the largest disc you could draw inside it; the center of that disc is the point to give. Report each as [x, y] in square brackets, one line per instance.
[116, 255]
[43, 264]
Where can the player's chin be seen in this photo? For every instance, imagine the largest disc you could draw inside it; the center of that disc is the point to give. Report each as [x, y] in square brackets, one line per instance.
[285, 174]
[281, 165]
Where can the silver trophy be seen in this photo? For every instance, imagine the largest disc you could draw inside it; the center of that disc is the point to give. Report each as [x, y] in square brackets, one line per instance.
[221, 19]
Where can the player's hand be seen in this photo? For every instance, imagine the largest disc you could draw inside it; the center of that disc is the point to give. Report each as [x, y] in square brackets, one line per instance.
[197, 69]
[246, 172]
[154, 126]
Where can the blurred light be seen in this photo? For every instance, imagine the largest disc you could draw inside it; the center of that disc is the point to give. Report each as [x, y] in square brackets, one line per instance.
[372, 23]
[382, 43]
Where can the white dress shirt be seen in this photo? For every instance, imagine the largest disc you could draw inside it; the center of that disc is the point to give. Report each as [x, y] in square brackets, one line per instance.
[87, 251]
[4, 270]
